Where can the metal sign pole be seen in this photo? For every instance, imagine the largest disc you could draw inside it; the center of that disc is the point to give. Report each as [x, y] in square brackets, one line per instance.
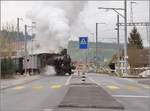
[25, 60]
[125, 36]
[83, 44]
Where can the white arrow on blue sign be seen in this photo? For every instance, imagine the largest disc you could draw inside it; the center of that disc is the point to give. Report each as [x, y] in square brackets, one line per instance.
[83, 42]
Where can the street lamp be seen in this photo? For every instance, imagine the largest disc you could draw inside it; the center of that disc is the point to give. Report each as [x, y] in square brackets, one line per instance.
[97, 44]
[149, 34]
[114, 9]
[125, 28]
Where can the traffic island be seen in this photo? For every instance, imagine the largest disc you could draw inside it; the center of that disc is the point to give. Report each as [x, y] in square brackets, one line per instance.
[89, 96]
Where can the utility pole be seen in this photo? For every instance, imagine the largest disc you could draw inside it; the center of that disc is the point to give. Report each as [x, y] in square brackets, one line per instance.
[25, 40]
[18, 29]
[0, 44]
[118, 43]
[96, 46]
[149, 35]
[25, 57]
[131, 11]
[17, 35]
[125, 34]
[33, 35]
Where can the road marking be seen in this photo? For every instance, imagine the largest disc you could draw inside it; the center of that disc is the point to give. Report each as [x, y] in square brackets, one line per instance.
[38, 87]
[56, 86]
[132, 87]
[130, 96]
[112, 87]
[94, 81]
[146, 87]
[18, 87]
[68, 81]
[47, 109]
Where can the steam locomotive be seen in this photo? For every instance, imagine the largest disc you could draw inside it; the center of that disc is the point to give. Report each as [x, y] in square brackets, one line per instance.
[61, 62]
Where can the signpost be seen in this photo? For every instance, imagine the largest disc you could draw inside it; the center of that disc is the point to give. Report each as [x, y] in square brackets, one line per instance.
[83, 42]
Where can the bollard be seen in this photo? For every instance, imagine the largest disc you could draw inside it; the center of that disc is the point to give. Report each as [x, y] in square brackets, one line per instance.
[83, 78]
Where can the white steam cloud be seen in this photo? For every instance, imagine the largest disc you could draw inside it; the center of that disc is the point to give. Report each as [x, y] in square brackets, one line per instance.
[49, 70]
[53, 24]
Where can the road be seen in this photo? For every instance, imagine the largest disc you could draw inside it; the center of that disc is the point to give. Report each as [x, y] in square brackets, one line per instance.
[134, 96]
[35, 96]
[47, 93]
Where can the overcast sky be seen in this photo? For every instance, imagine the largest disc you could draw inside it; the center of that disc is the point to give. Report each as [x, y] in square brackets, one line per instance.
[86, 19]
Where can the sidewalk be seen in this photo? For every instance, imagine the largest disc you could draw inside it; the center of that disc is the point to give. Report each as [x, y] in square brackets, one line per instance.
[18, 80]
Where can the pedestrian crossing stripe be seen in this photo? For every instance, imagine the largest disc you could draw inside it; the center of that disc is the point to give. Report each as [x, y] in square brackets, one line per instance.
[112, 87]
[18, 87]
[83, 41]
[55, 86]
[132, 87]
[146, 87]
[37, 87]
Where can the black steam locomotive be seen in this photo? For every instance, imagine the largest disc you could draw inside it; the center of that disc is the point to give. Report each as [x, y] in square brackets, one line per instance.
[62, 63]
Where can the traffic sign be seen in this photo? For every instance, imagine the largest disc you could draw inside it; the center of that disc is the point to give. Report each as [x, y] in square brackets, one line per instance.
[83, 42]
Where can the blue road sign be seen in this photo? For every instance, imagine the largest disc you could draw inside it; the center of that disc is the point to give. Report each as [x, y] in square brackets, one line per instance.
[83, 42]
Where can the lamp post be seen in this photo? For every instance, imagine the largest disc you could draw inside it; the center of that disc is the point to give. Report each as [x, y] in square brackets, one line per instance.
[118, 43]
[96, 47]
[125, 29]
[149, 34]
[25, 56]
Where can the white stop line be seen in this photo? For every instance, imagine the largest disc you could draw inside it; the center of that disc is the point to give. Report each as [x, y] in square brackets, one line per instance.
[131, 96]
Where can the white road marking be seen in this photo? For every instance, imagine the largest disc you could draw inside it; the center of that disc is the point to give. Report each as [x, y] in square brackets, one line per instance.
[122, 96]
[113, 87]
[146, 86]
[131, 96]
[47, 109]
[94, 81]
[68, 81]
[18, 87]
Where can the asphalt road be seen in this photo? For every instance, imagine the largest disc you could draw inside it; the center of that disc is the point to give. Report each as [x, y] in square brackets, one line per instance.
[46, 94]
[133, 95]
[38, 95]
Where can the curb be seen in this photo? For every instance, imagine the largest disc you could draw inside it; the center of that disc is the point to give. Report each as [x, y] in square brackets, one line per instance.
[134, 77]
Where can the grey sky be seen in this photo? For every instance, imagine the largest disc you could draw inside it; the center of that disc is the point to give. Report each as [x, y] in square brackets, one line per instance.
[85, 24]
